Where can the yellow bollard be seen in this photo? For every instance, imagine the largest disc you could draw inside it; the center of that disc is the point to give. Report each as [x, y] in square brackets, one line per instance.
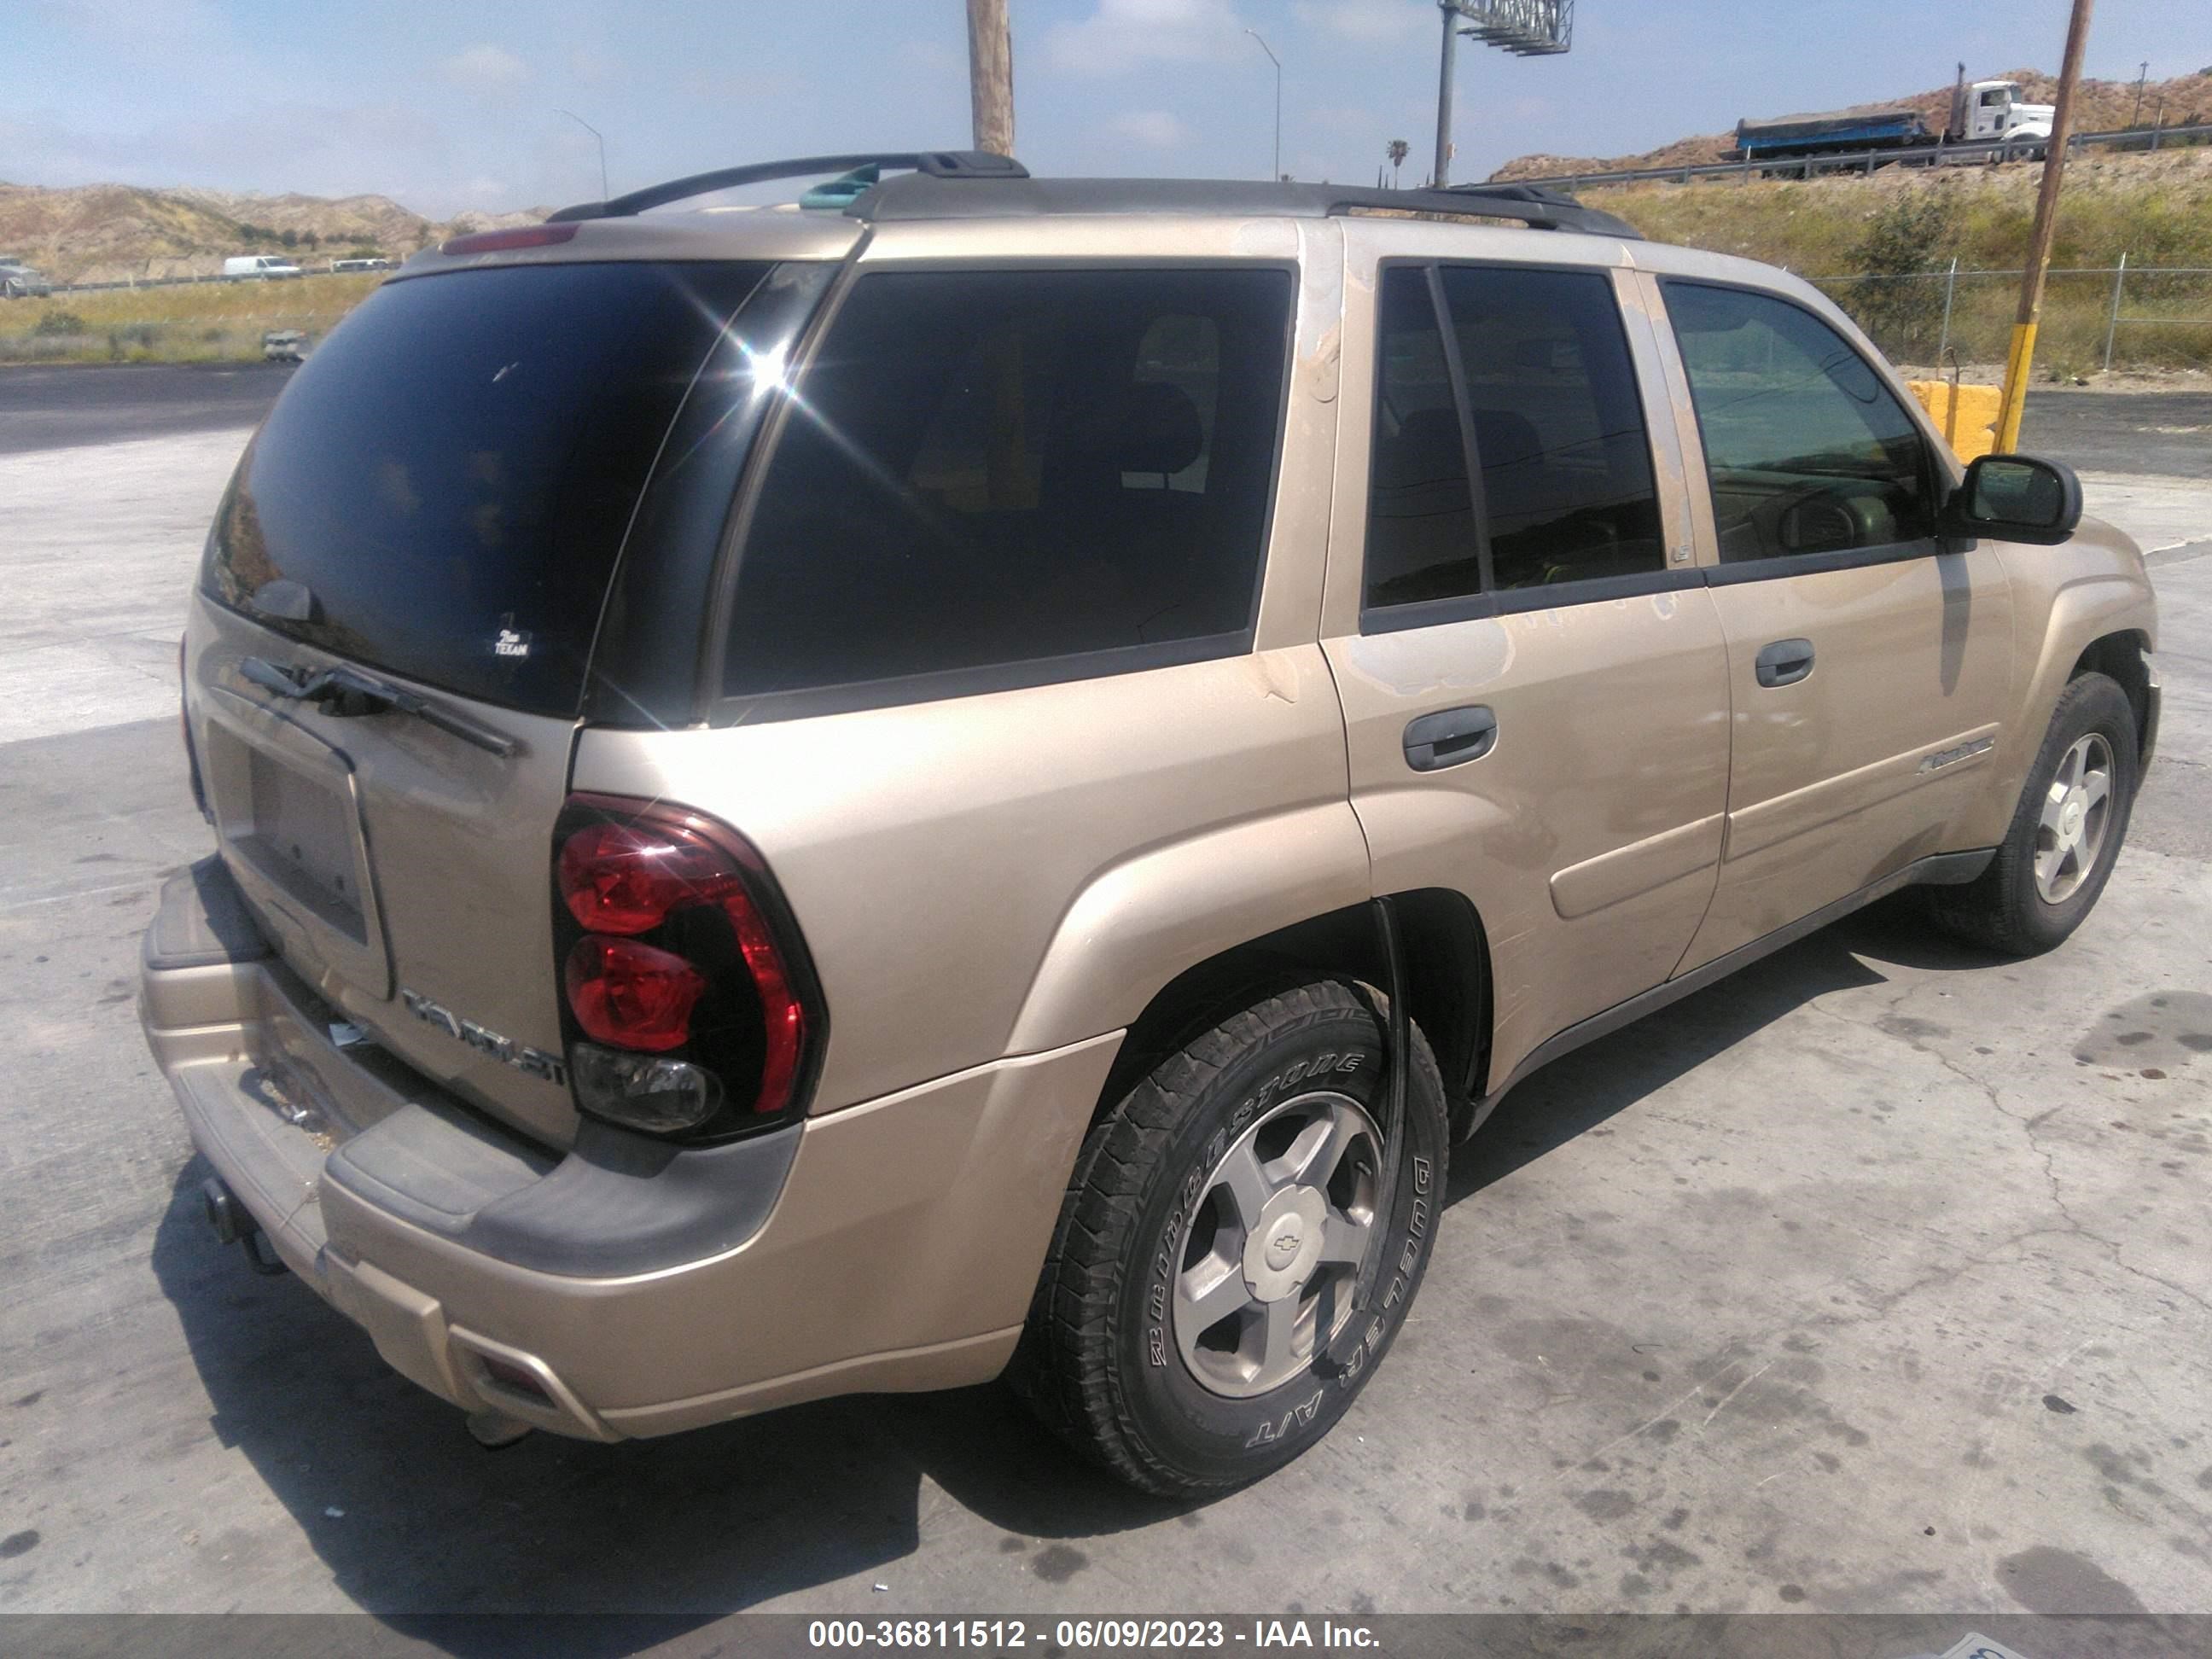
[1968, 423]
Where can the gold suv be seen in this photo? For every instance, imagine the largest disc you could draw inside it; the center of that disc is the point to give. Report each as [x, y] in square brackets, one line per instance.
[979, 774]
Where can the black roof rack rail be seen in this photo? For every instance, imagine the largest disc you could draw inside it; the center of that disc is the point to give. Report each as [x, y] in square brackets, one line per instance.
[919, 196]
[936, 163]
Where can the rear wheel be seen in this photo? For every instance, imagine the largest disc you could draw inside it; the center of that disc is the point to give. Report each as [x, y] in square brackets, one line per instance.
[2065, 835]
[1211, 1237]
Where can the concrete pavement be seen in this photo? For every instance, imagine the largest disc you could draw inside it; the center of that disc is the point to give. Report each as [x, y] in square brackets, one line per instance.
[1877, 1280]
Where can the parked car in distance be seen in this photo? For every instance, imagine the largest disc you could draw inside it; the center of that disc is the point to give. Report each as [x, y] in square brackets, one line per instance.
[984, 779]
[247, 267]
[341, 265]
[20, 282]
[284, 345]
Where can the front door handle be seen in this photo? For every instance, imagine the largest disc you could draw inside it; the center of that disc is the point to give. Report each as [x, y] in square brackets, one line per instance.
[1785, 662]
[1449, 737]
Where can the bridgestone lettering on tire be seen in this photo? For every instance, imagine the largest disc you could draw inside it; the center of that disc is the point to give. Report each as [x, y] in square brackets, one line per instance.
[2065, 834]
[1201, 1261]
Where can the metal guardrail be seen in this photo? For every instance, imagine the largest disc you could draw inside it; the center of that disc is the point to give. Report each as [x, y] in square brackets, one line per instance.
[185, 282]
[1983, 151]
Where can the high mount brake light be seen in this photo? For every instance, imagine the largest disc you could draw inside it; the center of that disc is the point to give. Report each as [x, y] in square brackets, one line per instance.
[673, 960]
[498, 241]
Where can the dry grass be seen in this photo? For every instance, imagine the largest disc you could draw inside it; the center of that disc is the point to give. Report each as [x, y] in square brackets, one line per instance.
[2155, 209]
[202, 322]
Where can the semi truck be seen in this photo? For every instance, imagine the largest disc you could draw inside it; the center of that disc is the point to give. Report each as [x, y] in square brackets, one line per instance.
[1982, 111]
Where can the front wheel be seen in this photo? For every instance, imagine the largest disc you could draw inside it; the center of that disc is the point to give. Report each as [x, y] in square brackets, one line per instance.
[2065, 834]
[1211, 1237]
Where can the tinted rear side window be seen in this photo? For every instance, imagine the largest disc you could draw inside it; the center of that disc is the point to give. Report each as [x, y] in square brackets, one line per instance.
[1567, 489]
[1421, 542]
[449, 476]
[990, 468]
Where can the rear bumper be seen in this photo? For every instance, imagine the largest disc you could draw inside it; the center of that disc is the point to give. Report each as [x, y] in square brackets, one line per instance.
[621, 1288]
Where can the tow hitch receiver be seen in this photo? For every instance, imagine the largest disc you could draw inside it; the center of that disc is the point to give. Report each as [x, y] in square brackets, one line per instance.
[234, 1224]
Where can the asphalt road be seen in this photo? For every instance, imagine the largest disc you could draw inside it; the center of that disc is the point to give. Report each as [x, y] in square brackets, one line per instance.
[2166, 432]
[54, 406]
[1876, 1280]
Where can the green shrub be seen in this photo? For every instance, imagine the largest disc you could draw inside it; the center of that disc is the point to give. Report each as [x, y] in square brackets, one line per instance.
[60, 322]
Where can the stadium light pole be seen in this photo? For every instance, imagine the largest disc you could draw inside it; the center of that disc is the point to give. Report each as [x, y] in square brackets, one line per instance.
[2019, 360]
[1276, 176]
[594, 132]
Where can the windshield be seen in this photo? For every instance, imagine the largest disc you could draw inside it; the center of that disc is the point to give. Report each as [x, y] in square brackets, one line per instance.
[445, 485]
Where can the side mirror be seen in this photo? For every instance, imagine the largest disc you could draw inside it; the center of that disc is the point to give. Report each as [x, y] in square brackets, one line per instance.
[2017, 498]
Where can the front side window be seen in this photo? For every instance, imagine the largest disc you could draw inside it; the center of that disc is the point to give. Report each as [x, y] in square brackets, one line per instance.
[990, 468]
[1807, 451]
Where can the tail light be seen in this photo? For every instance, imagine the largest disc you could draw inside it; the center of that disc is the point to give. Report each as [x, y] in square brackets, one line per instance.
[687, 999]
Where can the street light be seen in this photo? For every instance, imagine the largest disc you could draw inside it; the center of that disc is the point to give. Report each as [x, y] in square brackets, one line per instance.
[1278, 63]
[594, 132]
[2136, 120]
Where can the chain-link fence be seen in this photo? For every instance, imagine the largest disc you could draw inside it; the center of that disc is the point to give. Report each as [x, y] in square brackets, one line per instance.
[2095, 319]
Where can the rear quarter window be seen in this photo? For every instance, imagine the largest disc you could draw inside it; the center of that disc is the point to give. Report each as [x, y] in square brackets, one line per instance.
[987, 469]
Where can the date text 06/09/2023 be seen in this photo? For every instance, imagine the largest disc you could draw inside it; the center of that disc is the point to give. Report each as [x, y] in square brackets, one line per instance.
[1086, 1635]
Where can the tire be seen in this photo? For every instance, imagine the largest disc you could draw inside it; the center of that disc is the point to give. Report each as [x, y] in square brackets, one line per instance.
[2008, 908]
[1119, 1358]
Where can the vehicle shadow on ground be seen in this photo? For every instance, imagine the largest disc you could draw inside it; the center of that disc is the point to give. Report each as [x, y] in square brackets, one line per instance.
[1580, 1090]
[417, 1523]
[414, 1518]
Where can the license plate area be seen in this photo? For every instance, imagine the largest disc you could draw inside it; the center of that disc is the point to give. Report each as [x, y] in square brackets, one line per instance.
[301, 839]
[288, 807]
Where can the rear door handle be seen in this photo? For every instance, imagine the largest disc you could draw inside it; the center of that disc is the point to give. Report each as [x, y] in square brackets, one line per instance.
[1785, 662]
[1449, 737]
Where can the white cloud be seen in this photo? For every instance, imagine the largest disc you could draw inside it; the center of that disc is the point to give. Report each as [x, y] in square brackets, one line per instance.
[491, 70]
[1155, 128]
[1122, 34]
[1368, 19]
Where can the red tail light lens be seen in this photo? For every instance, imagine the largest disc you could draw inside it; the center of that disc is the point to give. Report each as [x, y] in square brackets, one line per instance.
[631, 994]
[619, 879]
[675, 943]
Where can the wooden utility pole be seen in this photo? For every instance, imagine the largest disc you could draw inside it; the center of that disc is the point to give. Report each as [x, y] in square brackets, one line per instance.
[2020, 362]
[991, 74]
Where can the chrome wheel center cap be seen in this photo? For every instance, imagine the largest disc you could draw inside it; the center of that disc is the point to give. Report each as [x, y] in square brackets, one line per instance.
[2071, 814]
[1280, 1253]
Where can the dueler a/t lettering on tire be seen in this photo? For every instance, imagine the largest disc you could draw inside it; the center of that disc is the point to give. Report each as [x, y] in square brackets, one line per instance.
[1211, 1237]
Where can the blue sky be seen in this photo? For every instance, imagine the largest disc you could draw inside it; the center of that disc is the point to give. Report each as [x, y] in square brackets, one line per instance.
[450, 106]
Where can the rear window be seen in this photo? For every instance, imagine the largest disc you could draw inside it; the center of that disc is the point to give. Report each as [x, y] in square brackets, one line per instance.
[983, 469]
[443, 488]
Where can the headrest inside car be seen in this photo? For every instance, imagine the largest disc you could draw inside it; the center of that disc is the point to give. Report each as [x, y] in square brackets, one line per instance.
[1158, 429]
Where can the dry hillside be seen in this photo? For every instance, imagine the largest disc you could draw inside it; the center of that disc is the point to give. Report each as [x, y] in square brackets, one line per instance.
[2100, 106]
[108, 233]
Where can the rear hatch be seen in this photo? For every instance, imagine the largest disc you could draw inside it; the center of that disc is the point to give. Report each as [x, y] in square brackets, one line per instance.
[396, 625]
